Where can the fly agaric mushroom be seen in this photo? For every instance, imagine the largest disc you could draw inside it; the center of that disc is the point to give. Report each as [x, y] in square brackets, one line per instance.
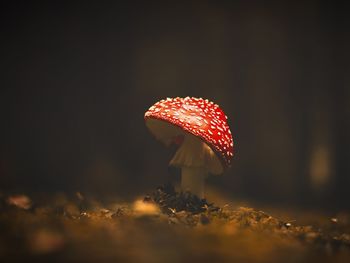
[200, 129]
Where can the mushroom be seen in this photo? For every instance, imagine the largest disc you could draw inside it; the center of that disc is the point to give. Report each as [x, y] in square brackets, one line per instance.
[200, 129]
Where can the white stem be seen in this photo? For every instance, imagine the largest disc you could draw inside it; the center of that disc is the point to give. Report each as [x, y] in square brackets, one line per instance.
[193, 179]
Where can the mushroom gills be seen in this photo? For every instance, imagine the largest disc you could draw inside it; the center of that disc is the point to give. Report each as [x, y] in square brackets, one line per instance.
[195, 153]
[163, 131]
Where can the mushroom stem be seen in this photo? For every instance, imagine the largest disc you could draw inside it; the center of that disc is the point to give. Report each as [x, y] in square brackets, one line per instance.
[192, 158]
[196, 160]
[193, 179]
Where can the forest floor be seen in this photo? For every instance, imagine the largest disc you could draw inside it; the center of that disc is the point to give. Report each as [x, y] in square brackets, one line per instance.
[165, 226]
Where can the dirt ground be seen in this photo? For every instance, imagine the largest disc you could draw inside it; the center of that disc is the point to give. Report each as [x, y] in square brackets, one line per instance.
[164, 226]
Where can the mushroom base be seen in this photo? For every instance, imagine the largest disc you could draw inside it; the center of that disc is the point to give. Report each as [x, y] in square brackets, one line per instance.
[192, 180]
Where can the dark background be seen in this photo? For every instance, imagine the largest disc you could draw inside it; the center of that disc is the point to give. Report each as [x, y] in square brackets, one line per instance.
[77, 79]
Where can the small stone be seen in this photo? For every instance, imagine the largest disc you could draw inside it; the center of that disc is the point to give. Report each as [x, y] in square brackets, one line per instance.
[334, 220]
[204, 219]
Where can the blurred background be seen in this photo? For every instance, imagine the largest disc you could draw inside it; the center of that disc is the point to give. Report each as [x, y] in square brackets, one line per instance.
[78, 78]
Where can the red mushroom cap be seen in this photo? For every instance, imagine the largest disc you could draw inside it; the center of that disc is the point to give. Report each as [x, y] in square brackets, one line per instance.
[199, 117]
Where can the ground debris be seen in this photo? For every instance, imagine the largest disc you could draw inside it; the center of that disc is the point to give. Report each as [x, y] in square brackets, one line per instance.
[171, 201]
[186, 208]
[75, 228]
[20, 201]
